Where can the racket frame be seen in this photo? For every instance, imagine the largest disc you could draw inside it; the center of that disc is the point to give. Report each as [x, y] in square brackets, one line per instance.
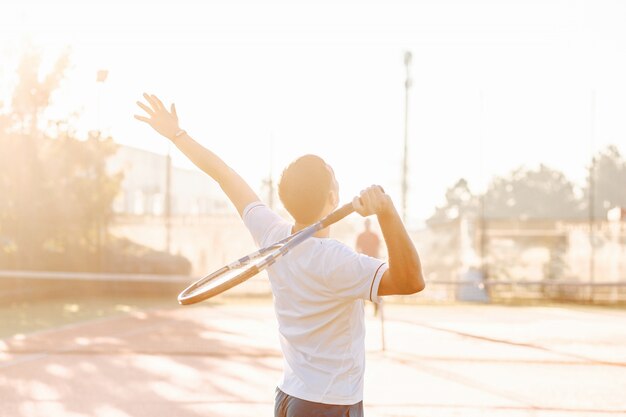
[195, 293]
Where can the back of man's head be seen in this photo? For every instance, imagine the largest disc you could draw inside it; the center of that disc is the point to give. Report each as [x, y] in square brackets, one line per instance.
[304, 188]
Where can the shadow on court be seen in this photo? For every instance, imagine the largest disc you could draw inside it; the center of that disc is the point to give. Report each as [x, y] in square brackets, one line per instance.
[223, 360]
[180, 362]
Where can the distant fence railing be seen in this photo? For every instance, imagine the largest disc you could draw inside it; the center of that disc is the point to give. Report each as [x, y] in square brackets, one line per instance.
[36, 284]
[29, 285]
[511, 291]
[93, 276]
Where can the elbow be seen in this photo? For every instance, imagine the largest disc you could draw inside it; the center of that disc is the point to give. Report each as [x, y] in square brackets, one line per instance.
[416, 287]
[415, 283]
[419, 286]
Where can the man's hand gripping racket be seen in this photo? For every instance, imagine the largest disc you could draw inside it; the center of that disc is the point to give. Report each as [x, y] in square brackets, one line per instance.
[373, 200]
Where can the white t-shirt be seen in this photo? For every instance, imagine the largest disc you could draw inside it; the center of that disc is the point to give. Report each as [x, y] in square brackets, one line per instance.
[318, 288]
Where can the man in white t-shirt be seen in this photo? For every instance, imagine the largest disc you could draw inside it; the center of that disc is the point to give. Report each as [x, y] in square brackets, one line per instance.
[320, 286]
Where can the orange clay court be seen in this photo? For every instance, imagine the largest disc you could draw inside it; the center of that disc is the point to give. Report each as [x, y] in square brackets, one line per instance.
[221, 358]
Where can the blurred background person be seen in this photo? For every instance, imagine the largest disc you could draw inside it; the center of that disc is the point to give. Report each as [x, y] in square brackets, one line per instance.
[368, 243]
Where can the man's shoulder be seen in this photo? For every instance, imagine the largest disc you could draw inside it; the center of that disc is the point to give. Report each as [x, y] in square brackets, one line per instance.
[265, 225]
[260, 212]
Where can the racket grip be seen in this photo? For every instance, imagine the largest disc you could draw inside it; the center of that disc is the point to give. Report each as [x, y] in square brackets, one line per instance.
[337, 215]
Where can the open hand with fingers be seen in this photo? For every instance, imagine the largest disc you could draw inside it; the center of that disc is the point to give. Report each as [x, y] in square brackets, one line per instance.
[163, 121]
[373, 200]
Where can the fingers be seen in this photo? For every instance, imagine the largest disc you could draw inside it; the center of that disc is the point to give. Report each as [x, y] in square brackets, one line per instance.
[145, 108]
[151, 101]
[362, 204]
[372, 192]
[143, 119]
[173, 111]
[158, 102]
[372, 200]
[358, 205]
[366, 198]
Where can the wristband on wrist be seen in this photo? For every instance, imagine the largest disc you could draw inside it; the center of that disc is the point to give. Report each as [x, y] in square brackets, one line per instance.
[178, 134]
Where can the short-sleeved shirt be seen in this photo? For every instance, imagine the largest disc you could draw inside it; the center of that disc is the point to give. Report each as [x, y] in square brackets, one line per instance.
[318, 289]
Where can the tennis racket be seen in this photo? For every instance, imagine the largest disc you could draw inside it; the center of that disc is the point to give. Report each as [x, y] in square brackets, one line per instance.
[245, 268]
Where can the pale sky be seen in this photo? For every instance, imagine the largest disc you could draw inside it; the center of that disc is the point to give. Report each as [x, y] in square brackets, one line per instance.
[496, 84]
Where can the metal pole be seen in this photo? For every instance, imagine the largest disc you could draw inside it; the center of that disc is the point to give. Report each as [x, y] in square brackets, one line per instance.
[407, 86]
[592, 186]
[168, 199]
[270, 180]
[381, 308]
[101, 77]
[482, 242]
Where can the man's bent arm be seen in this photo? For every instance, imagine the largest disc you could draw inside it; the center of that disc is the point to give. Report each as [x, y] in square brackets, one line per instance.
[166, 123]
[404, 275]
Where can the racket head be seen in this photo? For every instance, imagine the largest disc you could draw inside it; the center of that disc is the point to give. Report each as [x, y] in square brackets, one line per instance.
[226, 278]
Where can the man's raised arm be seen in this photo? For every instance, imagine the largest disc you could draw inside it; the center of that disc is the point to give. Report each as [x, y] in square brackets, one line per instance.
[166, 123]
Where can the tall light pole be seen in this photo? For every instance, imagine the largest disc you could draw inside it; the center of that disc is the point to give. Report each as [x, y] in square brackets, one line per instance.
[270, 180]
[591, 192]
[167, 212]
[101, 77]
[481, 161]
[407, 86]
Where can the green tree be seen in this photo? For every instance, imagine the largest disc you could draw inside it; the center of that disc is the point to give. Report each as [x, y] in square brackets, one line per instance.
[56, 194]
[609, 185]
[541, 193]
[459, 201]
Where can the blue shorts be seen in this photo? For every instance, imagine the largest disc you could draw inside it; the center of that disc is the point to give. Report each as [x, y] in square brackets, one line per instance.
[288, 406]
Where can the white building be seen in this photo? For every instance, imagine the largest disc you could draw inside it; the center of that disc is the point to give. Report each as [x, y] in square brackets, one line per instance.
[143, 189]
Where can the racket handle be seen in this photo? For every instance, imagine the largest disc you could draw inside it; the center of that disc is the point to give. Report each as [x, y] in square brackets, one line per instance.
[337, 215]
